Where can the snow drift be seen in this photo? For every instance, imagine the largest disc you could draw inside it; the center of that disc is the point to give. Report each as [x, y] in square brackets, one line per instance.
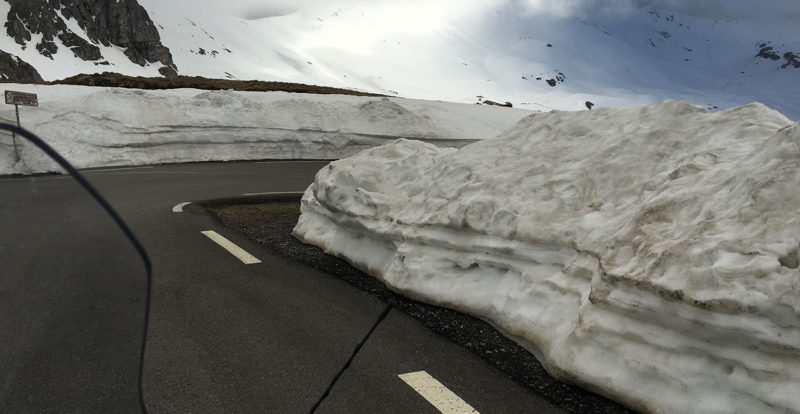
[650, 254]
[95, 127]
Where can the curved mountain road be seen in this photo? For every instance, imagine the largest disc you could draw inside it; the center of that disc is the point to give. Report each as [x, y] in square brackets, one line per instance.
[226, 336]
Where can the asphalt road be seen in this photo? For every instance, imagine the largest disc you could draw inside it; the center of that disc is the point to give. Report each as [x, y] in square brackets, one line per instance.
[225, 337]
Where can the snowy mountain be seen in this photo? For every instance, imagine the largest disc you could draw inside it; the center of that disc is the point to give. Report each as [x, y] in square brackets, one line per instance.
[536, 58]
[66, 37]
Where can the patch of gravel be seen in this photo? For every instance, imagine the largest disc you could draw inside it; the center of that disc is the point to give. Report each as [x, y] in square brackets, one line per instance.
[270, 223]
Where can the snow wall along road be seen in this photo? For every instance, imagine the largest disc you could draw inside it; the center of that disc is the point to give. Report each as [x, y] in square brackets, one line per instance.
[650, 254]
[100, 127]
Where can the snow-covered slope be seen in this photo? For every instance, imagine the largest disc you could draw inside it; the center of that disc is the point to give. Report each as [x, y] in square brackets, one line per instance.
[94, 127]
[497, 50]
[433, 50]
[650, 253]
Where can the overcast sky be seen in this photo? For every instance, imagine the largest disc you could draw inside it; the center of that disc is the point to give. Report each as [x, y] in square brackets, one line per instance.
[759, 10]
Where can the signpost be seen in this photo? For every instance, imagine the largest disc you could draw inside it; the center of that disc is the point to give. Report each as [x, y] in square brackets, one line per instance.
[17, 99]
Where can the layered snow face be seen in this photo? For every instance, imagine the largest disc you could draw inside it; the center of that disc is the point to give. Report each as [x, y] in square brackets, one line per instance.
[96, 127]
[650, 254]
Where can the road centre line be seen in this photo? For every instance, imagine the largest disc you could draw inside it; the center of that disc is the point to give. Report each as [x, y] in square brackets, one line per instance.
[178, 208]
[233, 249]
[436, 393]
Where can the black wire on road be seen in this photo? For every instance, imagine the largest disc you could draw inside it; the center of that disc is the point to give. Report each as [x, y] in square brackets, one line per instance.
[117, 219]
[381, 317]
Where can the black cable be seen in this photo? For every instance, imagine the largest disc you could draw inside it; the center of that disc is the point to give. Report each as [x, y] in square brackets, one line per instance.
[117, 219]
[381, 317]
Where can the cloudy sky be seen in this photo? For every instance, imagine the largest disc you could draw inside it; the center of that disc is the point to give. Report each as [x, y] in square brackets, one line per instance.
[758, 10]
[717, 9]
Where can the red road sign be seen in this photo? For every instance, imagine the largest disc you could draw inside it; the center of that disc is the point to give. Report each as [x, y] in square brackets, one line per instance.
[22, 98]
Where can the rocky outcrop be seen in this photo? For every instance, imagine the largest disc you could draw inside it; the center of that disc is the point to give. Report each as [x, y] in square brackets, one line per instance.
[790, 59]
[14, 69]
[122, 23]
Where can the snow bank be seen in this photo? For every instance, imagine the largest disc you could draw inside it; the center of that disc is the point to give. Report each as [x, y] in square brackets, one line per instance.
[650, 254]
[94, 127]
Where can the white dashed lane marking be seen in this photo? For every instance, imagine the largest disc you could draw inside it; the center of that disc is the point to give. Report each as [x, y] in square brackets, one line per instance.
[233, 249]
[178, 208]
[437, 394]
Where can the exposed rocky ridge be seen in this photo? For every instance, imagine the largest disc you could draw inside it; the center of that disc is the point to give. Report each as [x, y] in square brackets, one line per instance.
[14, 69]
[122, 23]
[116, 80]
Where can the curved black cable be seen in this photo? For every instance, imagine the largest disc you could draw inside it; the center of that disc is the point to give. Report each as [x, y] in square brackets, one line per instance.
[327, 391]
[117, 219]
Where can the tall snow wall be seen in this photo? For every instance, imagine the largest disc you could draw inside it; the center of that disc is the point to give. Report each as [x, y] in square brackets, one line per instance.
[99, 127]
[650, 254]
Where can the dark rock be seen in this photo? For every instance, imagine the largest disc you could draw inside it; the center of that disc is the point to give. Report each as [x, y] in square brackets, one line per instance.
[168, 72]
[14, 69]
[80, 47]
[122, 23]
[116, 80]
[767, 52]
[791, 60]
[16, 29]
[589, 105]
[47, 48]
[507, 104]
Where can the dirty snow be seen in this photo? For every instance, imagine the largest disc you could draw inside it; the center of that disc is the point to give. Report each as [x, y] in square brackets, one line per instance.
[97, 127]
[650, 254]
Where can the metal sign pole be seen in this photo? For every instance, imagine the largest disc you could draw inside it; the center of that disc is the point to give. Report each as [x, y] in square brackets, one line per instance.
[14, 135]
[20, 98]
